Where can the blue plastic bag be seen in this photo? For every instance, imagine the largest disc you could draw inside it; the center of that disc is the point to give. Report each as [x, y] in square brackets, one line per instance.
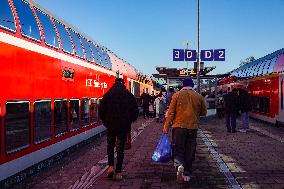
[163, 151]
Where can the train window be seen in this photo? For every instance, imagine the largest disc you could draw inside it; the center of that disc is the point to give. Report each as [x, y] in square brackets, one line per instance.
[78, 47]
[261, 104]
[96, 54]
[60, 117]
[17, 125]
[254, 100]
[281, 94]
[94, 112]
[98, 105]
[85, 111]
[29, 27]
[7, 20]
[88, 51]
[102, 56]
[65, 38]
[266, 104]
[50, 36]
[74, 114]
[108, 60]
[42, 120]
[271, 65]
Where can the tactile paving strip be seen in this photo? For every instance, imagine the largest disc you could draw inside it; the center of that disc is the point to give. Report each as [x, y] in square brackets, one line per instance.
[233, 183]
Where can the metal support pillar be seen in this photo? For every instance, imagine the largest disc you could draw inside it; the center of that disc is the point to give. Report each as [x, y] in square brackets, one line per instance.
[198, 51]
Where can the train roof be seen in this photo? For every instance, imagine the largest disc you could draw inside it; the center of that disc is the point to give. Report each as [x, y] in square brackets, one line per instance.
[123, 62]
[271, 63]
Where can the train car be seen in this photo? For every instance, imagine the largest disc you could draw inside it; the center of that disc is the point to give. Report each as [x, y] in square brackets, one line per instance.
[52, 79]
[263, 79]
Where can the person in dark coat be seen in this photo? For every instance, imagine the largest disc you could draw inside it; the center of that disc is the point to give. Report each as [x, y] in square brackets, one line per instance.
[220, 104]
[231, 107]
[118, 109]
[169, 96]
[146, 99]
[245, 107]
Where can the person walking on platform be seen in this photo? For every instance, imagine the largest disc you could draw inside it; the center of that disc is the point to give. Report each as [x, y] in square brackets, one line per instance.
[160, 107]
[231, 106]
[118, 109]
[185, 109]
[245, 107]
[146, 99]
[220, 104]
[169, 96]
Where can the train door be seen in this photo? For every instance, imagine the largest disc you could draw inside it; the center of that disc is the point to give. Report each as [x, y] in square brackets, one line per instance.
[281, 98]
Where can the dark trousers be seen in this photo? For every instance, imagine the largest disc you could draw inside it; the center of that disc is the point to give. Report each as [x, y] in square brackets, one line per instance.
[220, 113]
[120, 139]
[231, 121]
[146, 110]
[184, 147]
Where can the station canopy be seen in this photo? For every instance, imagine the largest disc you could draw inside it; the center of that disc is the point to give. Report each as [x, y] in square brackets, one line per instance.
[165, 73]
[172, 77]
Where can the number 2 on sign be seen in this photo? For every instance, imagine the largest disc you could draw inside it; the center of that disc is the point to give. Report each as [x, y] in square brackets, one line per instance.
[221, 55]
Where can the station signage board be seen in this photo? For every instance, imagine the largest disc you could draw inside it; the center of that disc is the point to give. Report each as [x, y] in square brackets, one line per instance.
[178, 54]
[205, 55]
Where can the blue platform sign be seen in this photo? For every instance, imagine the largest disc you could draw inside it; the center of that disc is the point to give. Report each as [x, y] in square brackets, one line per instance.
[207, 55]
[219, 55]
[178, 54]
[190, 55]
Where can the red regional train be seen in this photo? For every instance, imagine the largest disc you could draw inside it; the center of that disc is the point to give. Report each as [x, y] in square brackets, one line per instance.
[52, 79]
[264, 81]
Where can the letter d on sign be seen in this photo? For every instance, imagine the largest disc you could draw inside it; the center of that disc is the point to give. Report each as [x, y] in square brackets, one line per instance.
[190, 55]
[206, 55]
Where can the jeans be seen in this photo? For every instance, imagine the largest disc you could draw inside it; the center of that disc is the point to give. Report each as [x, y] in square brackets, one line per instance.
[245, 120]
[231, 121]
[112, 137]
[184, 147]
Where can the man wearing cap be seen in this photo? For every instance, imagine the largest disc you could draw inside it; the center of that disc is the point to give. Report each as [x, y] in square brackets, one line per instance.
[185, 109]
[118, 109]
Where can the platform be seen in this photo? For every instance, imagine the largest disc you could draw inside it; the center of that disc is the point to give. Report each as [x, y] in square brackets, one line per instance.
[223, 160]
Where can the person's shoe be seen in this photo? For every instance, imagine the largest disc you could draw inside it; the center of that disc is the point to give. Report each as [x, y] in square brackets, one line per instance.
[157, 120]
[234, 131]
[117, 176]
[228, 131]
[110, 172]
[186, 178]
[180, 174]
[243, 130]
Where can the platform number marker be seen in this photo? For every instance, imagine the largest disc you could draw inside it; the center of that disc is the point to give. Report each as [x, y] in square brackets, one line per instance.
[178, 55]
[207, 55]
[190, 55]
[219, 55]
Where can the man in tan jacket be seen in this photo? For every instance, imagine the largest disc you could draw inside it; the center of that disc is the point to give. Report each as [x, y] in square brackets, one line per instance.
[185, 109]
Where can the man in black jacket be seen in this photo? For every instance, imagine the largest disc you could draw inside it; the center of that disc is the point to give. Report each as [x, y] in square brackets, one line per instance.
[146, 100]
[245, 107]
[118, 109]
[231, 106]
